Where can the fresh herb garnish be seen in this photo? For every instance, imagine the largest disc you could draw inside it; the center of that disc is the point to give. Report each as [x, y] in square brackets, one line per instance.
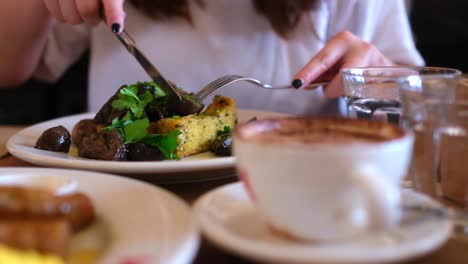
[129, 98]
[116, 123]
[133, 126]
[136, 130]
[226, 130]
[167, 144]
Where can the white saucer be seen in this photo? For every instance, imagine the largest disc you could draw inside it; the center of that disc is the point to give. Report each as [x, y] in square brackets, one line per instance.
[229, 219]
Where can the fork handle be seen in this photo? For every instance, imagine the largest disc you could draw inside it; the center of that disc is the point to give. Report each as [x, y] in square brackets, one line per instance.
[316, 84]
[308, 86]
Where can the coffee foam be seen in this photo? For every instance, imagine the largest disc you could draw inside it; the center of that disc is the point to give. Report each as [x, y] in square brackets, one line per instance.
[318, 130]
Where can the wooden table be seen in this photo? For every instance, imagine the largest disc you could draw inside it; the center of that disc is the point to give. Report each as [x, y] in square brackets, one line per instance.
[454, 251]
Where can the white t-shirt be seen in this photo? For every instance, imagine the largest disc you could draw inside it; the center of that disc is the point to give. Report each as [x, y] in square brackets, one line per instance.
[229, 37]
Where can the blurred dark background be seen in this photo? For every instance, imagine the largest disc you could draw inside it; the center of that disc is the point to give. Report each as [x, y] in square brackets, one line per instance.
[441, 32]
[37, 101]
[440, 29]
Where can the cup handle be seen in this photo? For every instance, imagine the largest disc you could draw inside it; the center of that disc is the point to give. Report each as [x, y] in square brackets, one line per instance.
[382, 197]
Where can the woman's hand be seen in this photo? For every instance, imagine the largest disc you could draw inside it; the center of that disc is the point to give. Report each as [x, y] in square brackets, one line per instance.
[87, 11]
[344, 50]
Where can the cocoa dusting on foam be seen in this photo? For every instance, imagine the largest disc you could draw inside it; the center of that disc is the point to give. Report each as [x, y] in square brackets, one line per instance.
[319, 130]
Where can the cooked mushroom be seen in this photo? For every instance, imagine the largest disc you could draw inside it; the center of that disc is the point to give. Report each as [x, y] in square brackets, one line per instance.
[103, 145]
[56, 139]
[222, 145]
[83, 128]
[106, 114]
[142, 152]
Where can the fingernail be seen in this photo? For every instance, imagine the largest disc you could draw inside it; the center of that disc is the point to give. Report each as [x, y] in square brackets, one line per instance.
[297, 83]
[115, 28]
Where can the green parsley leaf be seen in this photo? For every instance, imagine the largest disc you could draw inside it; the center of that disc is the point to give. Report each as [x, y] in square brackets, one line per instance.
[116, 123]
[176, 117]
[131, 91]
[146, 98]
[167, 144]
[227, 129]
[127, 117]
[128, 98]
[136, 130]
[158, 92]
[123, 103]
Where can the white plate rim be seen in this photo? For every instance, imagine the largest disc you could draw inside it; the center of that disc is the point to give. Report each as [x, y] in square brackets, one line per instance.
[302, 254]
[188, 235]
[16, 146]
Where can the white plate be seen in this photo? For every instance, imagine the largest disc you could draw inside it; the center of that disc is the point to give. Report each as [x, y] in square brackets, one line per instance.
[229, 219]
[204, 166]
[136, 222]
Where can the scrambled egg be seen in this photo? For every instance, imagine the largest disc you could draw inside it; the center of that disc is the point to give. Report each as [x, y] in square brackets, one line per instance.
[9, 255]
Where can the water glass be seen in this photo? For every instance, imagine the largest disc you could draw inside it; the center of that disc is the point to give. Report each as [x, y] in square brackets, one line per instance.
[373, 92]
[438, 116]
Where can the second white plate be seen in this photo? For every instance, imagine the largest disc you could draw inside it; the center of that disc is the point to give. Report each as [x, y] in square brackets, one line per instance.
[135, 221]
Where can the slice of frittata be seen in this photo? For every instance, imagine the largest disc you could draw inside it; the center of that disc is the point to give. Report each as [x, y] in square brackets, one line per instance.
[199, 131]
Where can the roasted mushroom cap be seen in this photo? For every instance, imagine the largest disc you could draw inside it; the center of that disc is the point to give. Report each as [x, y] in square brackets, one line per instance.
[56, 139]
[83, 128]
[106, 114]
[103, 145]
[142, 152]
[222, 145]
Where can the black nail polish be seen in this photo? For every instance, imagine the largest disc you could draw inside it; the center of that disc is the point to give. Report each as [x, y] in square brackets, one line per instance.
[115, 28]
[297, 83]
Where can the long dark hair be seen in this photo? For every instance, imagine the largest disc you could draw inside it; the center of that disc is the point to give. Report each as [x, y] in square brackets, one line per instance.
[284, 15]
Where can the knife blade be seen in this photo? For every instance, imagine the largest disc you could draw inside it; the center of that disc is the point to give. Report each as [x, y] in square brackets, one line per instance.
[150, 69]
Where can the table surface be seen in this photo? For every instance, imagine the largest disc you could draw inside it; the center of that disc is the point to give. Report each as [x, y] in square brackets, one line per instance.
[454, 251]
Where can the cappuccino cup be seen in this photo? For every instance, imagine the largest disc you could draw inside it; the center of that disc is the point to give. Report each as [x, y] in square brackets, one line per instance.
[323, 179]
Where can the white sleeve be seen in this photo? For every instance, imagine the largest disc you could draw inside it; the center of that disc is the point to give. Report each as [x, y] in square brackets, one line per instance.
[393, 35]
[64, 46]
[383, 23]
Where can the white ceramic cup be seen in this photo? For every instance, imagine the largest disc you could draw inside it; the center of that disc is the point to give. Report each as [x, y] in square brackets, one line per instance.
[330, 181]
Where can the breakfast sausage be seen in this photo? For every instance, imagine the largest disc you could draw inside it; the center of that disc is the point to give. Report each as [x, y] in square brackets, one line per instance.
[77, 209]
[18, 202]
[46, 236]
[21, 202]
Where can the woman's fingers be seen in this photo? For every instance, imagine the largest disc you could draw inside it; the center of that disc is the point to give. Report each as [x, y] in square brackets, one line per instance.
[326, 58]
[79, 11]
[54, 9]
[89, 11]
[115, 14]
[70, 12]
[361, 55]
[74, 11]
[344, 50]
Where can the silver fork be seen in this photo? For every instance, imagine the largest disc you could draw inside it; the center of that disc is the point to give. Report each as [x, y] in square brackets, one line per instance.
[229, 79]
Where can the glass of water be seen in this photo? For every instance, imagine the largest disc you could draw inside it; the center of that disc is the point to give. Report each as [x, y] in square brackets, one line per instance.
[373, 92]
[435, 110]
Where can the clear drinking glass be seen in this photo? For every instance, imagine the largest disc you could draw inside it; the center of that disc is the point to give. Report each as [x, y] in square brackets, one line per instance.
[438, 116]
[373, 92]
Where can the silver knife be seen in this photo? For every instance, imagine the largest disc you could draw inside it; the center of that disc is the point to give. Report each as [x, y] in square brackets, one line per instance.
[180, 104]
[157, 77]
